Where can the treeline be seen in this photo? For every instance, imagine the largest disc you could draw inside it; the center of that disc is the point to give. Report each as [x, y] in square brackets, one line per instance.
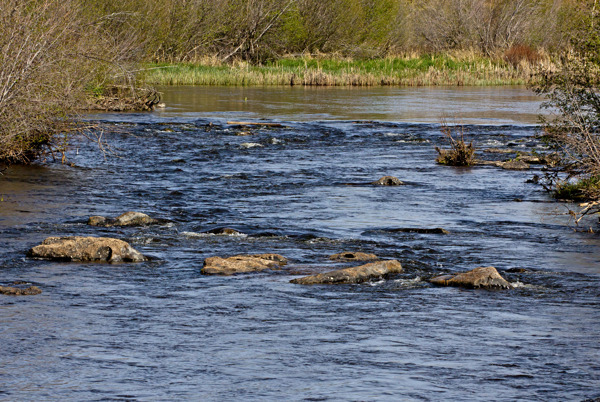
[54, 54]
[258, 30]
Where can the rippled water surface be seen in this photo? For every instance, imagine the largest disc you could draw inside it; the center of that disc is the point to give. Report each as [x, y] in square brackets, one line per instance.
[161, 330]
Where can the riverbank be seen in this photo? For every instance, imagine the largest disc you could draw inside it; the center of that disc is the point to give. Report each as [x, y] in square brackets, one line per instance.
[423, 70]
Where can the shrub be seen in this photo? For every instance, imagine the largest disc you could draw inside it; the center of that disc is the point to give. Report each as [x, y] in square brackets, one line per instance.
[460, 153]
[582, 190]
[517, 54]
[49, 54]
[572, 93]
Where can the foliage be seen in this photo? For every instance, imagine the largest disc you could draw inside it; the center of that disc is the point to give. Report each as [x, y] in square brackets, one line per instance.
[572, 95]
[460, 153]
[582, 190]
[263, 30]
[486, 25]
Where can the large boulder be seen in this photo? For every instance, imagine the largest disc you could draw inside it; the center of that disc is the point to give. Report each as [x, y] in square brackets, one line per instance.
[127, 219]
[14, 291]
[353, 256]
[358, 274]
[78, 248]
[242, 264]
[482, 277]
[388, 181]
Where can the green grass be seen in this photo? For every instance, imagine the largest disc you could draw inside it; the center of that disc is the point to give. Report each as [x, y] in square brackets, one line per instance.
[581, 190]
[425, 70]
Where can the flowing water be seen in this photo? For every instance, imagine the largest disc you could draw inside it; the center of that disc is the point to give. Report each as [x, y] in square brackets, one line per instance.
[161, 330]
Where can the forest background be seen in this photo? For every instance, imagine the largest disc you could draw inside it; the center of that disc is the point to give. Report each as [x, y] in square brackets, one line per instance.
[61, 56]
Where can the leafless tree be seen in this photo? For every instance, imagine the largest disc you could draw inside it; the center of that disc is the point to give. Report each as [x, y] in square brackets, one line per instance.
[49, 54]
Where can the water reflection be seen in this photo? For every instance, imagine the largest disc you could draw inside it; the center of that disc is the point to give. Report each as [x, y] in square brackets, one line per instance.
[468, 105]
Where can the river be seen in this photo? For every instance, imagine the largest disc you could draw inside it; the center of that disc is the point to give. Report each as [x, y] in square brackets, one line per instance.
[161, 330]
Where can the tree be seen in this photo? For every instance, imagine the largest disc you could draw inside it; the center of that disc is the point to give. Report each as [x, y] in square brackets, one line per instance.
[49, 55]
[572, 94]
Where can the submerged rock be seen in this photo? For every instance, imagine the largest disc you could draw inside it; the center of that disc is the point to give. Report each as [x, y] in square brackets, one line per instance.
[482, 277]
[224, 231]
[242, 264]
[353, 256]
[499, 151]
[248, 145]
[127, 219]
[97, 221]
[422, 230]
[78, 248]
[532, 159]
[388, 181]
[358, 274]
[13, 291]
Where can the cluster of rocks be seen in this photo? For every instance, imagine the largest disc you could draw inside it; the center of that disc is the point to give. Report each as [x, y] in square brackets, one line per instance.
[482, 277]
[127, 219]
[88, 249]
[522, 161]
[16, 291]
[110, 250]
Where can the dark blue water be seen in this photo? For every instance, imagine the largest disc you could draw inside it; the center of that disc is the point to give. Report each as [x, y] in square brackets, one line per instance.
[163, 331]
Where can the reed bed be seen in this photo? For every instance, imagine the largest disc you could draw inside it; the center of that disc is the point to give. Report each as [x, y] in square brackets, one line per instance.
[408, 71]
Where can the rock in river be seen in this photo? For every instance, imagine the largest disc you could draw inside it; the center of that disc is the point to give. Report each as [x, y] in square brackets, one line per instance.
[482, 277]
[242, 264]
[78, 248]
[358, 274]
[353, 256]
[13, 291]
[388, 181]
[225, 231]
[515, 164]
[127, 219]
[421, 230]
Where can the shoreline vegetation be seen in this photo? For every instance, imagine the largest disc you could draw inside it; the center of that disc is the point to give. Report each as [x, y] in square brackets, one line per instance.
[59, 57]
[460, 69]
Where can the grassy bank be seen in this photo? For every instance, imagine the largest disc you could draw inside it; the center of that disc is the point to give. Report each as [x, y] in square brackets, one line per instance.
[424, 70]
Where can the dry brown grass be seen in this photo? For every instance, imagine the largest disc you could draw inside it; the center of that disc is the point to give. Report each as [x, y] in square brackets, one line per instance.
[518, 54]
[460, 153]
